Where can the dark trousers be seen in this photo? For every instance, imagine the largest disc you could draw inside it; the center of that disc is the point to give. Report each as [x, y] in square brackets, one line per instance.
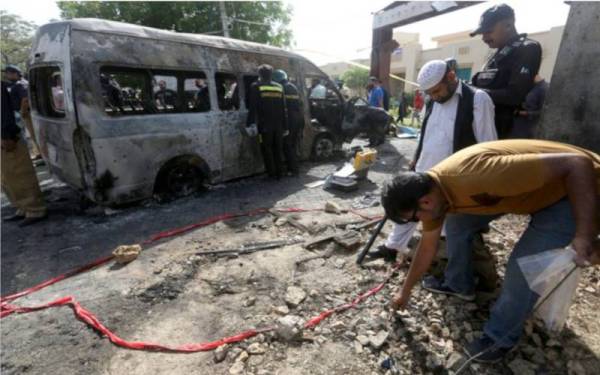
[290, 151]
[271, 145]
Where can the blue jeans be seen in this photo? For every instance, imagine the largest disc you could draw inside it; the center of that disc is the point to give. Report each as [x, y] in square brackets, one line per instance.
[550, 228]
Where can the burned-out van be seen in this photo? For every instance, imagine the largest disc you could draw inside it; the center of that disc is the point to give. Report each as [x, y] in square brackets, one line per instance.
[123, 111]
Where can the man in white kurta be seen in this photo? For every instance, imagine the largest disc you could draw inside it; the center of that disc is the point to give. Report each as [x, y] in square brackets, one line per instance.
[440, 82]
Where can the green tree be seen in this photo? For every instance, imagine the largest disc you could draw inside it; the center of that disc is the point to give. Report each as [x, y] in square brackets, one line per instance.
[16, 35]
[264, 22]
[356, 78]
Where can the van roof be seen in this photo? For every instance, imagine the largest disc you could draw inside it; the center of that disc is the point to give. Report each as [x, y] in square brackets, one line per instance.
[121, 28]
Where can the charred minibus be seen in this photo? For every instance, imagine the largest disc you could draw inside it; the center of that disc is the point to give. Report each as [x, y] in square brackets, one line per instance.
[122, 111]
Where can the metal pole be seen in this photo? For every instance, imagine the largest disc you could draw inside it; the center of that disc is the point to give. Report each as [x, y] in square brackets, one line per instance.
[224, 22]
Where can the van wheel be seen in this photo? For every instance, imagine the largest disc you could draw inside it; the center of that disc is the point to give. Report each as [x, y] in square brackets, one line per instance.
[179, 179]
[323, 148]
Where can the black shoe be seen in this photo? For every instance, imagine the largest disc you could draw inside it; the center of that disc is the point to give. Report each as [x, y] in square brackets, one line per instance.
[388, 255]
[14, 217]
[32, 220]
[485, 350]
[436, 285]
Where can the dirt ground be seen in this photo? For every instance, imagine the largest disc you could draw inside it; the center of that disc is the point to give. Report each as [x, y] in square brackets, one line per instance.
[173, 295]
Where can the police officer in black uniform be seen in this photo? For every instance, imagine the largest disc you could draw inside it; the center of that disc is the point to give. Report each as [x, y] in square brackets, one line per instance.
[508, 76]
[267, 112]
[295, 120]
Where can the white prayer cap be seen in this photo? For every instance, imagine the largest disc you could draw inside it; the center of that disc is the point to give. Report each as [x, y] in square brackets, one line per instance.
[431, 74]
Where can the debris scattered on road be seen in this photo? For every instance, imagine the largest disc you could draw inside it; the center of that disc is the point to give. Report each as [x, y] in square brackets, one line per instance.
[126, 253]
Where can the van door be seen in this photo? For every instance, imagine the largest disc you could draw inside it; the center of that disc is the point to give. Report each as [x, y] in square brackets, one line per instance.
[241, 154]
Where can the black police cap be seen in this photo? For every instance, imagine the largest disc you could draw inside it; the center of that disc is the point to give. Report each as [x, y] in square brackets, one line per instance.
[490, 17]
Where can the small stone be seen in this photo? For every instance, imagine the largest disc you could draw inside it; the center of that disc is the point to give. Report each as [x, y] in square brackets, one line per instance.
[433, 361]
[552, 343]
[256, 360]
[379, 339]
[340, 263]
[313, 293]
[445, 332]
[281, 310]
[575, 368]
[280, 221]
[522, 367]
[237, 368]
[454, 361]
[243, 357]
[537, 340]
[220, 353]
[338, 325]
[468, 326]
[435, 327]
[250, 302]
[255, 348]
[294, 296]
[363, 340]
[332, 207]
[358, 348]
[289, 328]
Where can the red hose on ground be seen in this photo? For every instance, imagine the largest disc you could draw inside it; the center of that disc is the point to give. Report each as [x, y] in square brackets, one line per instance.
[91, 320]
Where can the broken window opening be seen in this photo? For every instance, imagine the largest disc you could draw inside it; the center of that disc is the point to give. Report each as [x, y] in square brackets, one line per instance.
[47, 93]
[228, 95]
[197, 96]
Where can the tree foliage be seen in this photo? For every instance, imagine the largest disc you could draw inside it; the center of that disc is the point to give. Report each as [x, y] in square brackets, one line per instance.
[356, 78]
[16, 36]
[261, 21]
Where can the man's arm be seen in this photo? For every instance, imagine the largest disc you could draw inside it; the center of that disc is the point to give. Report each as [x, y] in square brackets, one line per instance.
[521, 77]
[577, 172]
[419, 265]
[484, 127]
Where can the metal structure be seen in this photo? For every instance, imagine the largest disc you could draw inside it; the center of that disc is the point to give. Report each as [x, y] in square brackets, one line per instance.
[400, 13]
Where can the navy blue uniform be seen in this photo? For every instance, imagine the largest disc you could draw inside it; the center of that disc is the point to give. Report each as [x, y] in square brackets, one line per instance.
[266, 109]
[295, 121]
[508, 77]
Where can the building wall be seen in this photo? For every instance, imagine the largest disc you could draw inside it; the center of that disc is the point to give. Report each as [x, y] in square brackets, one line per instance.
[470, 53]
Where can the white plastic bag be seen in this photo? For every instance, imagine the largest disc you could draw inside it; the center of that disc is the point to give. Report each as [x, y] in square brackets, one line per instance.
[543, 272]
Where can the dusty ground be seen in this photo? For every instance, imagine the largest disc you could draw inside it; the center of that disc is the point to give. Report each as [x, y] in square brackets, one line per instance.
[172, 295]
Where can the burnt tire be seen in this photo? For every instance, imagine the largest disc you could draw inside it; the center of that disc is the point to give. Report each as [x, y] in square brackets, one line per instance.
[323, 148]
[179, 178]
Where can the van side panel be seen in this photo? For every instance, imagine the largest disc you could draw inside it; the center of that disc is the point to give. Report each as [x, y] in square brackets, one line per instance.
[51, 47]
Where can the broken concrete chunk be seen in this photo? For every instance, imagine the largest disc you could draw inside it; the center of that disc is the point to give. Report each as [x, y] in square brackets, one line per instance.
[243, 357]
[379, 339]
[294, 296]
[289, 328]
[522, 367]
[220, 353]
[126, 253]
[332, 207]
[363, 340]
[349, 240]
[454, 361]
[281, 310]
[255, 349]
[250, 301]
[237, 368]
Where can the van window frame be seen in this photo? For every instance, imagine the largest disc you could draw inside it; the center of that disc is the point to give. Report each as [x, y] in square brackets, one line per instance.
[179, 73]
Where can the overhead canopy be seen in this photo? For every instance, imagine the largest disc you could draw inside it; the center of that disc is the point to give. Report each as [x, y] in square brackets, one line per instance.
[400, 13]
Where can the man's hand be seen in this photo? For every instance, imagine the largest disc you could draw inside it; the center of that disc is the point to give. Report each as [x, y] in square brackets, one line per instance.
[399, 301]
[9, 145]
[583, 247]
[286, 133]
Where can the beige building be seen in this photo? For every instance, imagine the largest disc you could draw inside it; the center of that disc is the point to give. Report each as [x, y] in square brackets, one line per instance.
[470, 53]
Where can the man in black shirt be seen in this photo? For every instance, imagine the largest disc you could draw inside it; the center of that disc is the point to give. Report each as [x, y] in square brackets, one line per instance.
[295, 120]
[508, 76]
[267, 112]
